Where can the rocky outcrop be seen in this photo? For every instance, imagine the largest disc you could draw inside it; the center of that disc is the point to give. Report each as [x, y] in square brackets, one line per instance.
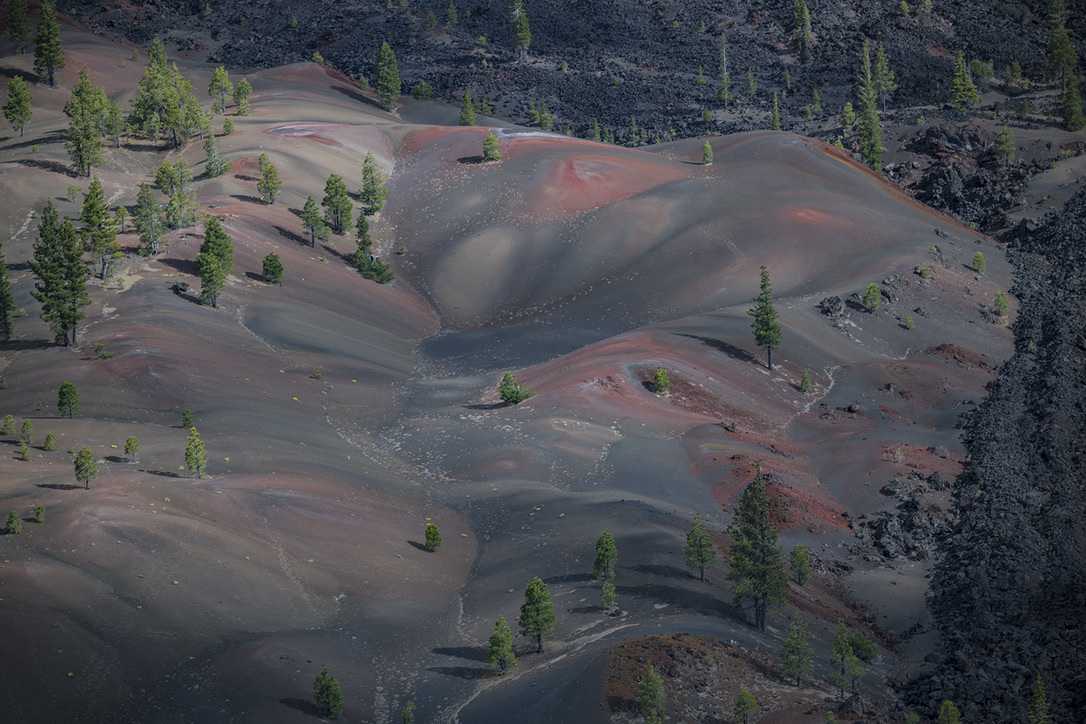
[1009, 594]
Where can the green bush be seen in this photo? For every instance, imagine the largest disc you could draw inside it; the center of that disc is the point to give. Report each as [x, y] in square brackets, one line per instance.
[14, 524]
[661, 382]
[511, 391]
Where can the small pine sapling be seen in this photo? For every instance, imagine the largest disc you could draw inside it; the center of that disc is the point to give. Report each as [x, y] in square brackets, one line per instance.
[805, 384]
[14, 524]
[39, 514]
[433, 537]
[661, 382]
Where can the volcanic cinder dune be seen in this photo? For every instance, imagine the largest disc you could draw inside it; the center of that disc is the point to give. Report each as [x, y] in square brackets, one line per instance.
[580, 267]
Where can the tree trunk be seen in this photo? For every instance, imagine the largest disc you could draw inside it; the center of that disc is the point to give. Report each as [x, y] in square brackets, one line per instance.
[769, 357]
[539, 643]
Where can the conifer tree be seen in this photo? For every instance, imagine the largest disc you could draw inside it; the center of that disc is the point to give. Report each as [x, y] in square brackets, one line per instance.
[491, 150]
[755, 559]
[963, 93]
[467, 111]
[603, 566]
[870, 131]
[242, 92]
[336, 203]
[433, 537]
[1005, 146]
[948, 713]
[98, 231]
[386, 76]
[18, 110]
[220, 89]
[147, 219]
[872, 298]
[796, 653]
[374, 192]
[7, 301]
[217, 164]
[48, 51]
[522, 33]
[1062, 57]
[802, 27]
[885, 82]
[19, 24]
[767, 331]
[272, 269]
[132, 449]
[195, 456]
[752, 84]
[67, 400]
[653, 697]
[1038, 708]
[745, 706]
[848, 117]
[26, 434]
[269, 184]
[500, 656]
[212, 278]
[218, 244]
[707, 154]
[805, 384]
[775, 119]
[86, 468]
[537, 613]
[800, 563]
[328, 695]
[87, 110]
[62, 277]
[846, 665]
[700, 553]
[724, 94]
[311, 220]
[511, 391]
[115, 125]
[1071, 105]
[14, 524]
[607, 596]
[452, 14]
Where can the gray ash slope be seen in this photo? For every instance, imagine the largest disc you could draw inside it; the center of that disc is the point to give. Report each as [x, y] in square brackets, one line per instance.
[626, 60]
[1009, 594]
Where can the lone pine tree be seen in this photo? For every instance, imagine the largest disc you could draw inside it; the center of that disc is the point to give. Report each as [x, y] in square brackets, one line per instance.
[767, 331]
[195, 456]
[18, 110]
[19, 25]
[272, 269]
[537, 613]
[433, 537]
[85, 467]
[328, 695]
[48, 51]
[796, 653]
[653, 696]
[755, 559]
[700, 553]
[87, 110]
[603, 565]
[374, 192]
[963, 93]
[269, 184]
[386, 74]
[868, 97]
[62, 277]
[499, 656]
[98, 231]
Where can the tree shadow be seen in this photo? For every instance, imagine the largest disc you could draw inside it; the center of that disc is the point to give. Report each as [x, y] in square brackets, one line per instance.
[248, 199]
[416, 544]
[585, 609]
[185, 266]
[476, 160]
[20, 344]
[701, 603]
[570, 578]
[471, 653]
[60, 486]
[296, 212]
[161, 473]
[54, 166]
[721, 346]
[463, 672]
[243, 177]
[19, 266]
[115, 459]
[294, 236]
[254, 276]
[303, 705]
[357, 96]
[491, 406]
[663, 571]
[51, 137]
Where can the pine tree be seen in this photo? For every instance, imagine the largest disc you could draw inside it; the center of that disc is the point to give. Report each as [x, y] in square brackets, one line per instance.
[98, 232]
[948, 713]
[755, 559]
[467, 111]
[9, 425]
[311, 220]
[68, 399]
[511, 391]
[336, 203]
[115, 123]
[363, 259]
[805, 385]
[752, 84]
[1071, 105]
[132, 449]
[537, 613]
[147, 219]
[156, 54]
[796, 653]
[87, 110]
[1038, 708]
[7, 301]
[451, 14]
[872, 298]
[979, 265]
[272, 269]
[603, 566]
[745, 705]
[14, 524]
[48, 51]
[848, 117]
[217, 164]
[62, 277]
[653, 697]
[846, 665]
[374, 192]
[1005, 146]
[218, 244]
[1062, 57]
[407, 715]
[800, 563]
[212, 278]
[500, 656]
[491, 151]
[26, 434]
[195, 456]
[433, 537]
[775, 119]
[86, 468]
[707, 154]
[18, 110]
[802, 24]
[767, 331]
[386, 76]
[522, 33]
[220, 89]
[50, 443]
[19, 25]
[607, 596]
[269, 184]
[885, 82]
[963, 94]
[242, 92]
[870, 130]
[700, 553]
[328, 695]
[661, 382]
